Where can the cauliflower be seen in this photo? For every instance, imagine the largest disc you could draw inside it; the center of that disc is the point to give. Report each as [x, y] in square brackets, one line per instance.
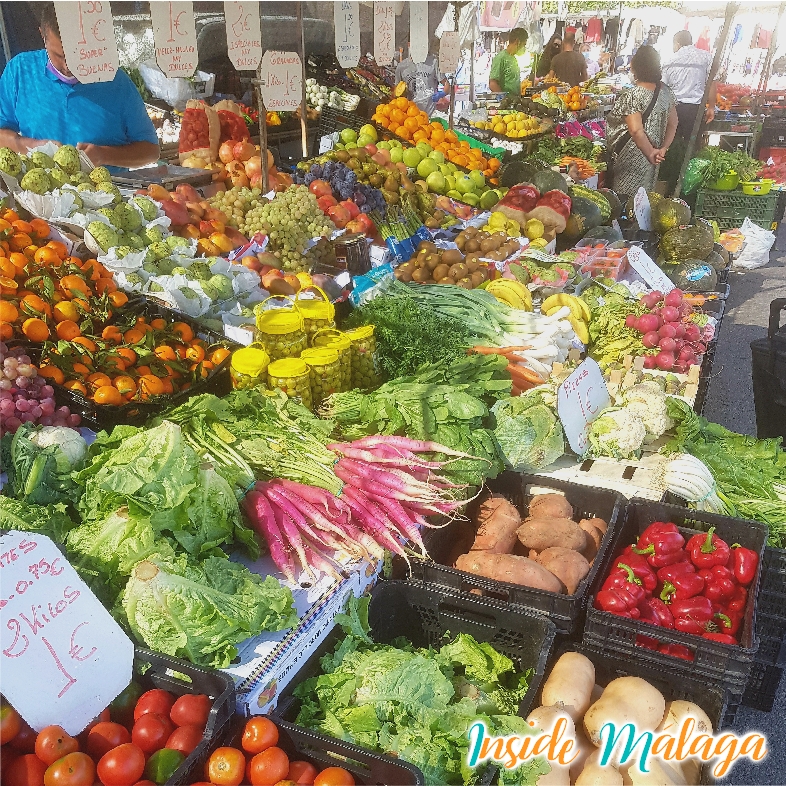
[100, 175]
[10, 163]
[80, 178]
[199, 271]
[58, 178]
[158, 250]
[647, 401]
[174, 241]
[111, 188]
[104, 235]
[126, 218]
[222, 285]
[41, 160]
[67, 158]
[618, 433]
[85, 186]
[37, 181]
[155, 234]
[147, 206]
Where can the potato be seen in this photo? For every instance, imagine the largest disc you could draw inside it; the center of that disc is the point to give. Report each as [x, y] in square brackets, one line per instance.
[498, 520]
[597, 523]
[676, 713]
[594, 538]
[660, 773]
[567, 565]
[595, 775]
[510, 568]
[570, 684]
[551, 506]
[542, 533]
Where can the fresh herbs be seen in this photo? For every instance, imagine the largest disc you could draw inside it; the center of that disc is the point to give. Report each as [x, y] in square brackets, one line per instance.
[722, 162]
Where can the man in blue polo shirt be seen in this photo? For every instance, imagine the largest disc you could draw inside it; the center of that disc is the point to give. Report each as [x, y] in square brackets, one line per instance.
[41, 100]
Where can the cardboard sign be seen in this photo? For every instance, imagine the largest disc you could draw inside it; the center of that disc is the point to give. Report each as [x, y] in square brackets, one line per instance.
[449, 52]
[282, 81]
[418, 31]
[175, 36]
[56, 638]
[641, 207]
[244, 34]
[346, 18]
[384, 33]
[580, 398]
[88, 40]
[643, 264]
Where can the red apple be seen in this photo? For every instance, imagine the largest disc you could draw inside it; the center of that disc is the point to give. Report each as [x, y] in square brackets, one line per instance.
[320, 188]
[352, 208]
[339, 215]
[326, 202]
[372, 148]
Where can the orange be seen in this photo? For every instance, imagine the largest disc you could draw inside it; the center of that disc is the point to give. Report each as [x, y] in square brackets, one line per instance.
[108, 394]
[168, 386]
[82, 305]
[10, 215]
[19, 261]
[404, 132]
[142, 370]
[411, 123]
[133, 336]
[419, 136]
[65, 310]
[219, 355]
[400, 102]
[438, 136]
[97, 380]
[104, 285]
[33, 305]
[412, 110]
[20, 241]
[383, 121]
[8, 311]
[35, 329]
[150, 385]
[22, 226]
[128, 355]
[494, 163]
[125, 385]
[85, 342]
[7, 267]
[39, 228]
[384, 110]
[114, 364]
[67, 330]
[81, 370]
[158, 324]
[53, 373]
[46, 256]
[60, 248]
[112, 333]
[450, 136]
[76, 386]
[195, 354]
[164, 352]
[183, 330]
[73, 286]
[118, 299]
[6, 331]
[8, 286]
[397, 116]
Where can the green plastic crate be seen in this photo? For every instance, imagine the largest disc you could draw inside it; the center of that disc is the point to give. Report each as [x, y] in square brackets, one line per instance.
[730, 208]
[489, 150]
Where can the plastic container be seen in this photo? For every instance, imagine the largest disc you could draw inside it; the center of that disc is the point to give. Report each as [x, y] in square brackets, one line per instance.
[324, 372]
[769, 376]
[248, 367]
[730, 208]
[566, 611]
[725, 664]
[728, 182]
[757, 187]
[335, 339]
[318, 313]
[364, 345]
[281, 332]
[293, 377]
[606, 266]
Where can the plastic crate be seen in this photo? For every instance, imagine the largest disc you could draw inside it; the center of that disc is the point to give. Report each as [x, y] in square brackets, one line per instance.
[489, 150]
[774, 571]
[724, 664]
[566, 611]
[769, 375]
[731, 208]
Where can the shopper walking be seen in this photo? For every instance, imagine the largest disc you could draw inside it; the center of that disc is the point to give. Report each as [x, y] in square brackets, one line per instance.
[421, 79]
[551, 50]
[569, 65]
[505, 76]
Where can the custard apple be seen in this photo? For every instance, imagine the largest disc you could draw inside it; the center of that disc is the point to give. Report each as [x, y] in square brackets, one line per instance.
[135, 241]
[199, 271]
[123, 251]
[147, 206]
[85, 186]
[104, 235]
[155, 234]
[175, 241]
[36, 180]
[111, 188]
[79, 178]
[126, 218]
[159, 251]
[10, 163]
[58, 177]
[41, 160]
[67, 158]
[100, 175]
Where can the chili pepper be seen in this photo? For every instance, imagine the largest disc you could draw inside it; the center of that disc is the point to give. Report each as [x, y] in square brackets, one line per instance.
[708, 550]
[620, 601]
[721, 638]
[660, 543]
[728, 621]
[692, 615]
[738, 600]
[744, 564]
[719, 583]
[640, 568]
[676, 651]
[647, 642]
[681, 587]
[654, 610]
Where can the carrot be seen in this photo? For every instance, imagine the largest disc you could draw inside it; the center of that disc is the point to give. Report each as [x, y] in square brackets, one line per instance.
[522, 374]
[497, 350]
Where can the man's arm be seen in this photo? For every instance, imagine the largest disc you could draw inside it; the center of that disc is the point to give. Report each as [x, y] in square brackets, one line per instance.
[19, 144]
[712, 100]
[495, 86]
[131, 155]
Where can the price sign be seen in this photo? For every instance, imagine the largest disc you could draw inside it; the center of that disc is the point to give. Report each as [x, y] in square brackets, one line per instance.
[244, 34]
[384, 33]
[175, 37]
[643, 264]
[579, 400]
[56, 638]
[346, 19]
[282, 81]
[418, 31]
[449, 52]
[88, 40]
[641, 207]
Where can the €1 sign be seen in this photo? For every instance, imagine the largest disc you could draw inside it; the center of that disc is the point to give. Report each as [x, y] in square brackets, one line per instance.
[580, 399]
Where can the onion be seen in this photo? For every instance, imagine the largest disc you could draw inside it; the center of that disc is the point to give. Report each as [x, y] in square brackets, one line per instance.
[664, 360]
[649, 361]
[674, 298]
[668, 344]
[670, 314]
[650, 340]
[647, 323]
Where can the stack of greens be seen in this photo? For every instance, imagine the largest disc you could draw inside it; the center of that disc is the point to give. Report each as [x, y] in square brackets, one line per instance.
[610, 338]
[723, 161]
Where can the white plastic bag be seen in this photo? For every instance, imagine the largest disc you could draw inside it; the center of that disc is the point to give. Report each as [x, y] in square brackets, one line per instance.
[178, 91]
[756, 251]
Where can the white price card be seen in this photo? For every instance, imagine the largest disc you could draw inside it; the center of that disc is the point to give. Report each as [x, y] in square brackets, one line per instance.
[88, 40]
[384, 33]
[449, 52]
[281, 75]
[418, 31]
[244, 34]
[580, 398]
[56, 637]
[346, 19]
[642, 209]
[644, 265]
[174, 33]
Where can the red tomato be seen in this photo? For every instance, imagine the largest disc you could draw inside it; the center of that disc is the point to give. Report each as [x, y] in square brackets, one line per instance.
[334, 776]
[75, 769]
[150, 783]
[10, 722]
[158, 701]
[24, 742]
[27, 770]
[122, 766]
[151, 732]
[191, 710]
[302, 772]
[226, 767]
[54, 742]
[105, 736]
[259, 735]
[269, 767]
[185, 739]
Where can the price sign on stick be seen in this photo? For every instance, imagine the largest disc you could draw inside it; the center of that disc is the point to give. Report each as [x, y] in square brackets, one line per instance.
[175, 37]
[643, 264]
[346, 18]
[244, 34]
[56, 638]
[384, 33]
[642, 209]
[418, 31]
[580, 398]
[282, 81]
[88, 40]
[449, 52]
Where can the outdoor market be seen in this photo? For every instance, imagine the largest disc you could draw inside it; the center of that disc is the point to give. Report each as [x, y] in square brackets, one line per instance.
[392, 393]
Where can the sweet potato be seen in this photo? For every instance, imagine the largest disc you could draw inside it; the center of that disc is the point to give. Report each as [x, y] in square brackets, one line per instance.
[510, 568]
[567, 565]
[542, 533]
[597, 523]
[550, 506]
[498, 521]
[594, 538]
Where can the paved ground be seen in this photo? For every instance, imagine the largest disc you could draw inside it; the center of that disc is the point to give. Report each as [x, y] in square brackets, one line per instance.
[730, 403]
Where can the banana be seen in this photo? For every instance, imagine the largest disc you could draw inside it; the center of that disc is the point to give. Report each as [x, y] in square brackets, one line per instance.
[580, 328]
[585, 309]
[563, 299]
[515, 294]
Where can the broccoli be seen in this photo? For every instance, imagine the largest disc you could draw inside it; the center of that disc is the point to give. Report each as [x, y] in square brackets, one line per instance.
[37, 181]
[618, 433]
[10, 163]
[67, 158]
[104, 235]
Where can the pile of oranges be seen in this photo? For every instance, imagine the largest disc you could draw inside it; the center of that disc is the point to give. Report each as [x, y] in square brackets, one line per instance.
[573, 99]
[406, 120]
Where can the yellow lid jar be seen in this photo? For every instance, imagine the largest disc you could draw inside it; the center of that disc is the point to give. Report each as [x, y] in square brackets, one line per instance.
[335, 339]
[248, 367]
[324, 372]
[318, 313]
[364, 345]
[280, 331]
[292, 376]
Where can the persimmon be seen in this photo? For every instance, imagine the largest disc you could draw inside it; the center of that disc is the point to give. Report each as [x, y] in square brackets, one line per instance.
[67, 330]
[35, 329]
[108, 394]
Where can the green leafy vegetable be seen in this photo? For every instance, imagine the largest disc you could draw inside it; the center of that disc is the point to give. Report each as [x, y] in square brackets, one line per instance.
[723, 161]
[49, 520]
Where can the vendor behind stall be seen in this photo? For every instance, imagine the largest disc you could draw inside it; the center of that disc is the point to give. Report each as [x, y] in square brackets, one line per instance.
[41, 100]
[505, 76]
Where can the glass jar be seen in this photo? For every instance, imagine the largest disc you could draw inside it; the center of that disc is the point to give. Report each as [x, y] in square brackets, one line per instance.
[318, 313]
[280, 332]
[324, 372]
[364, 345]
[292, 376]
[337, 340]
[248, 366]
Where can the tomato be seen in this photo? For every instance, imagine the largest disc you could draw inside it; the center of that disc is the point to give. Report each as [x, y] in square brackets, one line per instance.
[334, 776]
[75, 769]
[151, 732]
[150, 783]
[302, 772]
[191, 710]
[226, 767]
[122, 766]
[259, 735]
[122, 708]
[10, 722]
[105, 736]
[162, 764]
[158, 701]
[269, 767]
[27, 770]
[54, 742]
[24, 742]
[185, 739]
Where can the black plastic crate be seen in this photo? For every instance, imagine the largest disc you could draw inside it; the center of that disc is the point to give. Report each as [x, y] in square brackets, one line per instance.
[774, 572]
[566, 611]
[762, 686]
[731, 208]
[723, 664]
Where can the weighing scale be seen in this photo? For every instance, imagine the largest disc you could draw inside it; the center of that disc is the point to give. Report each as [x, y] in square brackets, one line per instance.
[164, 175]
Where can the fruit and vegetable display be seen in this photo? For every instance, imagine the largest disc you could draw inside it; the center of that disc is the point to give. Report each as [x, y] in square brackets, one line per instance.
[319, 96]
[515, 125]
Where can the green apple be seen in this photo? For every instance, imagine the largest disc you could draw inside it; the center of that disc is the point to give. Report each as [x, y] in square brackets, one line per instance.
[464, 183]
[451, 181]
[383, 145]
[471, 199]
[396, 154]
[453, 168]
[412, 157]
[369, 130]
[453, 194]
[338, 146]
[436, 182]
[438, 156]
[425, 148]
[445, 169]
[426, 167]
[478, 178]
[396, 143]
[349, 136]
[365, 139]
[489, 199]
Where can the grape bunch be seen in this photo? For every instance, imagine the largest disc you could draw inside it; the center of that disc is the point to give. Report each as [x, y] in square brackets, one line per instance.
[27, 397]
[345, 184]
[235, 202]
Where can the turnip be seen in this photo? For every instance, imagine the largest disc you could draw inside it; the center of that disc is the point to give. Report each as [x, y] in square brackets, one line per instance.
[670, 314]
[650, 340]
[664, 360]
[647, 323]
[668, 344]
[667, 330]
[649, 361]
[674, 298]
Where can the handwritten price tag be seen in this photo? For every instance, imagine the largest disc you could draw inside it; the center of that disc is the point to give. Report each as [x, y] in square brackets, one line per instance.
[579, 400]
[643, 210]
[384, 33]
[346, 19]
[643, 264]
[88, 40]
[244, 34]
[55, 637]
[449, 52]
[174, 33]
[282, 81]
[418, 31]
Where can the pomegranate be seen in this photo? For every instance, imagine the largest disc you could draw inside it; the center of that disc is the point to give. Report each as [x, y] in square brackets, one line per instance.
[226, 152]
[242, 151]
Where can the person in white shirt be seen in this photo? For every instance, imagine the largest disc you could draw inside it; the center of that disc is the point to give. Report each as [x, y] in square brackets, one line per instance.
[686, 74]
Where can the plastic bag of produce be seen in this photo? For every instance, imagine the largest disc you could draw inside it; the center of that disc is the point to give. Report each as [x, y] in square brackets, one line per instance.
[233, 125]
[200, 132]
[756, 251]
[694, 174]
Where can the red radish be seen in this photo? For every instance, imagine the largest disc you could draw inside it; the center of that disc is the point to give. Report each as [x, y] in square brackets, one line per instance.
[680, 328]
[650, 300]
[658, 294]
[649, 361]
[685, 309]
[664, 360]
[667, 330]
[670, 314]
[630, 321]
[647, 323]
[260, 514]
[674, 298]
[650, 340]
[692, 332]
[668, 344]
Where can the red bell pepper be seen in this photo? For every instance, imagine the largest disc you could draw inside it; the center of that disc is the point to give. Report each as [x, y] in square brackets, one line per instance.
[681, 587]
[738, 600]
[719, 584]
[640, 567]
[744, 563]
[728, 622]
[675, 569]
[661, 544]
[620, 601]
[647, 643]
[721, 638]
[692, 615]
[677, 651]
[708, 550]
[654, 610]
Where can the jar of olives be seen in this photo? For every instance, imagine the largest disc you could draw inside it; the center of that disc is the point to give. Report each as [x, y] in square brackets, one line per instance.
[248, 366]
[281, 333]
[337, 340]
[318, 313]
[324, 372]
[364, 345]
[292, 376]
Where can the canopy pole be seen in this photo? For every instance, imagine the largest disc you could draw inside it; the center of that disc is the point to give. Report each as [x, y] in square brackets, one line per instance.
[613, 63]
[303, 105]
[262, 131]
[472, 56]
[765, 71]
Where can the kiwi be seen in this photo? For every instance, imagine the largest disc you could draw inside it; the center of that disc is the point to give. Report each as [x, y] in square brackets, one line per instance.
[458, 271]
[408, 267]
[452, 256]
[482, 235]
[460, 241]
[487, 246]
[446, 280]
[477, 278]
[472, 264]
[471, 231]
[404, 275]
[426, 245]
[421, 275]
[440, 271]
[433, 261]
[465, 283]
[471, 246]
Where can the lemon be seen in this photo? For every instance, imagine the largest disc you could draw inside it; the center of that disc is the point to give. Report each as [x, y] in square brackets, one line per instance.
[499, 128]
[534, 229]
[497, 219]
[538, 243]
